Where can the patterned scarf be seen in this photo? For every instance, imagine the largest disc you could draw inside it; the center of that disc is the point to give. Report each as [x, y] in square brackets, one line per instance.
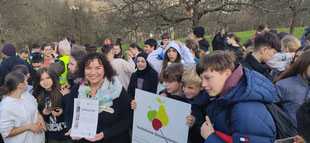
[106, 92]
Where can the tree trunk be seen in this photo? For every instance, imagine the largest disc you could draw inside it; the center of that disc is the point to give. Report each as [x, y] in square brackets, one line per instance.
[195, 17]
[293, 23]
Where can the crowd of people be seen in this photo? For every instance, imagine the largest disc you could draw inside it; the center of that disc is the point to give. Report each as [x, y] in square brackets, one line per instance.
[256, 92]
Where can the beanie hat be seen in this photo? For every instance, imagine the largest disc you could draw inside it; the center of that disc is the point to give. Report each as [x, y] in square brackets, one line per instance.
[9, 50]
[174, 45]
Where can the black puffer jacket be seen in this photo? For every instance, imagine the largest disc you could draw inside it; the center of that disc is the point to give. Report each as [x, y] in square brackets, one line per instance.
[204, 45]
[219, 42]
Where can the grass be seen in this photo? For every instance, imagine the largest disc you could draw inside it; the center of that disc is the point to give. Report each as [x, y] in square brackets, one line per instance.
[244, 35]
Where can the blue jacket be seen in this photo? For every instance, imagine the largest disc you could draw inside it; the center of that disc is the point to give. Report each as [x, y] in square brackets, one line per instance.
[292, 92]
[249, 119]
[303, 37]
[7, 65]
[198, 107]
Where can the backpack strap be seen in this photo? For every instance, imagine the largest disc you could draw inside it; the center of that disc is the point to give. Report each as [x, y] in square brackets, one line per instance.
[306, 97]
[228, 117]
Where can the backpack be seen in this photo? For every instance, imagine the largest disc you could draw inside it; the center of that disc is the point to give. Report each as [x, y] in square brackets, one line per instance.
[284, 124]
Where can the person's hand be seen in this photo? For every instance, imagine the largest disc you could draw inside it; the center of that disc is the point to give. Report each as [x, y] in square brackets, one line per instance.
[179, 43]
[97, 137]
[133, 105]
[57, 112]
[190, 120]
[164, 94]
[129, 55]
[41, 122]
[165, 44]
[65, 89]
[206, 128]
[73, 138]
[47, 111]
[35, 128]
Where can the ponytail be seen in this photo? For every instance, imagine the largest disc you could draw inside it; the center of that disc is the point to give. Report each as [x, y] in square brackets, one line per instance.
[235, 37]
[11, 82]
[4, 90]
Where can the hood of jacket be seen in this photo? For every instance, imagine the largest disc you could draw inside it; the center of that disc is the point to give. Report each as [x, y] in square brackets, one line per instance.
[9, 63]
[174, 45]
[253, 87]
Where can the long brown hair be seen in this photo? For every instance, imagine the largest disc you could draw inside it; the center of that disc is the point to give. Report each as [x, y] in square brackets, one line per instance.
[38, 90]
[235, 37]
[194, 45]
[165, 64]
[298, 67]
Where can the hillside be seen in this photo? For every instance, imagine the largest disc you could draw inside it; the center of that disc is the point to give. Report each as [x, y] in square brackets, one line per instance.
[244, 35]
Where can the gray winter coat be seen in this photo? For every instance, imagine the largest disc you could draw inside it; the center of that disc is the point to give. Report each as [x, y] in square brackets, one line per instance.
[292, 92]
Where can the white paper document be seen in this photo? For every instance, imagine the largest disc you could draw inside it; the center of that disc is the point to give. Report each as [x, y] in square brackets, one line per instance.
[85, 118]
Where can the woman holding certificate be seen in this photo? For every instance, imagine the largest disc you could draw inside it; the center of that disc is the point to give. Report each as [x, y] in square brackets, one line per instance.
[100, 83]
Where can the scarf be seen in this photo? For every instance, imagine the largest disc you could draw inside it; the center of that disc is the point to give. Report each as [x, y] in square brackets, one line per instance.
[106, 93]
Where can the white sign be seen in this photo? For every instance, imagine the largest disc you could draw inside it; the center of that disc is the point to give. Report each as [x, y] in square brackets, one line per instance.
[85, 118]
[159, 119]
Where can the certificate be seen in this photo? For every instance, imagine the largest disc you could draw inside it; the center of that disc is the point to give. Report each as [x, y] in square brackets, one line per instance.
[159, 119]
[85, 118]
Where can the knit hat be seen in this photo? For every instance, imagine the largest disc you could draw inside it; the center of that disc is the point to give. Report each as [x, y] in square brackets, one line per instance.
[9, 50]
[174, 45]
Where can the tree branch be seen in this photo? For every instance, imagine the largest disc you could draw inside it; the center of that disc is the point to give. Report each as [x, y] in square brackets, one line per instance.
[303, 9]
[224, 6]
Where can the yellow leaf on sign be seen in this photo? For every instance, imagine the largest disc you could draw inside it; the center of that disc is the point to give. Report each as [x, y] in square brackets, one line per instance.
[158, 100]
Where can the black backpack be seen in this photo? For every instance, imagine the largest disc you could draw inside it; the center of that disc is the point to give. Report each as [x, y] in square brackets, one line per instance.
[284, 124]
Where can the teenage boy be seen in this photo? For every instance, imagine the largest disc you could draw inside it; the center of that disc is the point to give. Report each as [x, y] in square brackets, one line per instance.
[199, 33]
[37, 61]
[261, 29]
[23, 54]
[198, 98]
[173, 82]
[135, 49]
[265, 47]
[165, 39]
[150, 45]
[237, 113]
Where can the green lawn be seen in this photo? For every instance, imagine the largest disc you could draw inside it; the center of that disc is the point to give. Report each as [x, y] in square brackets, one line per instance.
[245, 35]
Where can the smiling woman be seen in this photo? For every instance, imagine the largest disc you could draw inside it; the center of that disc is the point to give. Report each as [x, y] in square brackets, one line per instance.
[145, 78]
[100, 83]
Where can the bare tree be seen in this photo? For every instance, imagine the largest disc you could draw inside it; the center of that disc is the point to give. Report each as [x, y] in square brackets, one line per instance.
[296, 7]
